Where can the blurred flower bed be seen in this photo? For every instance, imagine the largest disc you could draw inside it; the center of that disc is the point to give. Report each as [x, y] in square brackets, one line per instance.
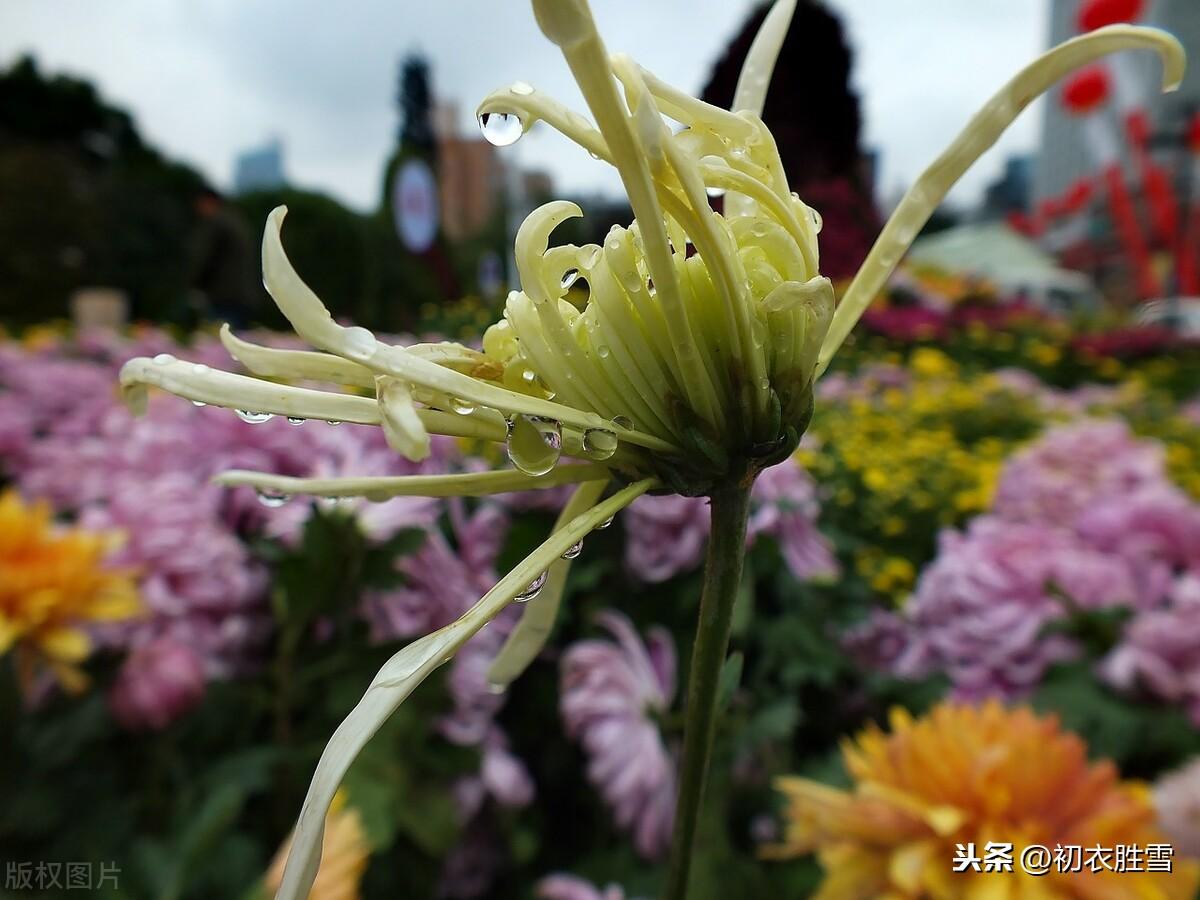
[991, 504]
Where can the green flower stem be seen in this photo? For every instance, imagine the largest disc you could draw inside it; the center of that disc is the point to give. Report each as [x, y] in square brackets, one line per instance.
[722, 572]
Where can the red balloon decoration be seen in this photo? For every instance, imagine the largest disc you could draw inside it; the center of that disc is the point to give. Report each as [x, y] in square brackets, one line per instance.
[1098, 13]
[1086, 90]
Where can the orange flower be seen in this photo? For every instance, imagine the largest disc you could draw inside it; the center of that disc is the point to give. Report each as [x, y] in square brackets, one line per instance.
[964, 775]
[344, 855]
[52, 581]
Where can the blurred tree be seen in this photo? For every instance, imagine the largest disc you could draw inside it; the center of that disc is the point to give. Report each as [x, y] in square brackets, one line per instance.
[329, 244]
[814, 116]
[86, 201]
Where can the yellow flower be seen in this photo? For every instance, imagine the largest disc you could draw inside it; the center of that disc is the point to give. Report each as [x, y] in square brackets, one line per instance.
[683, 371]
[971, 775]
[53, 582]
[928, 362]
[345, 854]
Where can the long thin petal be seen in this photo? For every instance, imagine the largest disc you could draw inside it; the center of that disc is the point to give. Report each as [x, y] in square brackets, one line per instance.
[402, 673]
[755, 78]
[532, 630]
[272, 362]
[981, 132]
[383, 487]
[198, 382]
[402, 426]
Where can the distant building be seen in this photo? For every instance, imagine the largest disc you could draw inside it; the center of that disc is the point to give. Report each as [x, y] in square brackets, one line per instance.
[471, 177]
[260, 168]
[1011, 192]
[1063, 157]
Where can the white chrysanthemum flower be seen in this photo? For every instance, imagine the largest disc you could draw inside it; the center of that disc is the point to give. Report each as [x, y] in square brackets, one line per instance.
[685, 371]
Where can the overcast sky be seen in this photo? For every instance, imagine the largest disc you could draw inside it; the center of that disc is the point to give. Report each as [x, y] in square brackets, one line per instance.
[207, 78]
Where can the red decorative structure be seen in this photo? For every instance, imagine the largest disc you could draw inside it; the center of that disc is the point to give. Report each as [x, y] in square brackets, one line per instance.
[1084, 96]
[1156, 185]
[1189, 243]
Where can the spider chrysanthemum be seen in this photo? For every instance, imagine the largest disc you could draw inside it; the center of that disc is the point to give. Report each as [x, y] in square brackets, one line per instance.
[690, 366]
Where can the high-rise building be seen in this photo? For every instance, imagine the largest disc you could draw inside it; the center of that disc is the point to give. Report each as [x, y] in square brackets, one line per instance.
[471, 180]
[1063, 157]
[260, 168]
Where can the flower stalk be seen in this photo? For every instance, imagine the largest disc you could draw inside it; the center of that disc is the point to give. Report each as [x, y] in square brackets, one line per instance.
[722, 574]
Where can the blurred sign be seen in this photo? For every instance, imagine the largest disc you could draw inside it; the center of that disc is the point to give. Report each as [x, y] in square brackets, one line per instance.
[415, 205]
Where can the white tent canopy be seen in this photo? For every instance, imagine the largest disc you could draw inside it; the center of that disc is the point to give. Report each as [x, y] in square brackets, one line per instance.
[1011, 261]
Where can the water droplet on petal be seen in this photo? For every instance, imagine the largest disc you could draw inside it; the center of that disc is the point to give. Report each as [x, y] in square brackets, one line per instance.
[764, 383]
[817, 221]
[500, 129]
[199, 403]
[254, 418]
[593, 154]
[295, 420]
[360, 343]
[164, 359]
[602, 351]
[573, 551]
[520, 87]
[569, 278]
[532, 589]
[713, 191]
[333, 422]
[592, 259]
[604, 524]
[534, 443]
[623, 422]
[462, 407]
[272, 499]
[599, 443]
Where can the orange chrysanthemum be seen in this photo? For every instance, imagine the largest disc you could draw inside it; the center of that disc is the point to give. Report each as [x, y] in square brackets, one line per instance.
[964, 775]
[52, 582]
[344, 855]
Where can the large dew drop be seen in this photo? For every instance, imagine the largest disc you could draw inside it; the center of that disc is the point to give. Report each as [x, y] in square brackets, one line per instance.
[534, 443]
[532, 589]
[599, 443]
[254, 418]
[500, 129]
[573, 551]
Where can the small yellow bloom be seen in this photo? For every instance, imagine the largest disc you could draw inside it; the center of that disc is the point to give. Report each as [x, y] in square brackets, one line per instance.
[930, 363]
[52, 582]
[345, 854]
[963, 775]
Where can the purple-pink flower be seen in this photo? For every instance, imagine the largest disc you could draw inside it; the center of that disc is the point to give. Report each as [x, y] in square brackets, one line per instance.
[569, 887]
[611, 692]
[667, 535]
[980, 609]
[1160, 650]
[199, 583]
[158, 682]
[1053, 480]
[1177, 802]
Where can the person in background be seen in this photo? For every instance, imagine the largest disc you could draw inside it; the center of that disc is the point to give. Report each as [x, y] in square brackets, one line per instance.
[814, 116]
[224, 269]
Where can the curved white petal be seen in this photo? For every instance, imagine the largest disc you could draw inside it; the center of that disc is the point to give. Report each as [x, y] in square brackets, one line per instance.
[402, 673]
[532, 630]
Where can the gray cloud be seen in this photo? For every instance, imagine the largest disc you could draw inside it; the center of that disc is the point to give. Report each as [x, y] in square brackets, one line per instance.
[207, 78]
